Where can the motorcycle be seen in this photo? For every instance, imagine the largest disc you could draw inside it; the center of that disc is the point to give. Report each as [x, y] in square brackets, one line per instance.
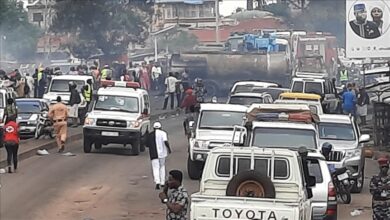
[44, 127]
[343, 184]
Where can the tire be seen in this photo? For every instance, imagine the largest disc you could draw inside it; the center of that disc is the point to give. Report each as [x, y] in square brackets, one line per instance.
[266, 190]
[194, 169]
[143, 141]
[344, 194]
[38, 132]
[98, 145]
[355, 188]
[87, 146]
[135, 146]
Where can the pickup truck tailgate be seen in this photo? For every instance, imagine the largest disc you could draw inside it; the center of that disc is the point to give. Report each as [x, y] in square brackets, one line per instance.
[218, 208]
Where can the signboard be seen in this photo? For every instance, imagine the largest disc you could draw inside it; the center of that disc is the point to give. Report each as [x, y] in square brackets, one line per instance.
[367, 28]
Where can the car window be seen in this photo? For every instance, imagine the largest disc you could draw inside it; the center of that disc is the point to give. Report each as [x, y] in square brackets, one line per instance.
[117, 103]
[297, 87]
[62, 85]
[220, 119]
[284, 138]
[336, 131]
[315, 169]
[281, 168]
[28, 107]
[313, 87]
[243, 100]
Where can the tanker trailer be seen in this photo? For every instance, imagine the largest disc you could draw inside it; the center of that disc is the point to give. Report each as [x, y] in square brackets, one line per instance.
[246, 57]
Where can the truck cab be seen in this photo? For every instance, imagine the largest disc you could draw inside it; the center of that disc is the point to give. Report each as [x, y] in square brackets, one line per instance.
[254, 183]
[213, 127]
[320, 86]
[120, 115]
[59, 86]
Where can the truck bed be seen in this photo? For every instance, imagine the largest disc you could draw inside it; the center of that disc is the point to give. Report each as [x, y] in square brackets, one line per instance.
[223, 207]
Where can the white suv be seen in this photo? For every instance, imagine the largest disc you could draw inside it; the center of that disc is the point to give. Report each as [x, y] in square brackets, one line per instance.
[343, 133]
[120, 115]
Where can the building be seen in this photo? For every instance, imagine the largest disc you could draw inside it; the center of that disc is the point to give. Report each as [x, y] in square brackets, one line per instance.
[190, 13]
[41, 12]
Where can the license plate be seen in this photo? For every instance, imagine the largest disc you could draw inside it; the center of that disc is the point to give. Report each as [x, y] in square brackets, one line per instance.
[342, 176]
[111, 134]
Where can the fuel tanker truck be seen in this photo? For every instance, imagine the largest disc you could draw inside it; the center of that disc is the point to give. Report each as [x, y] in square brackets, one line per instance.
[243, 57]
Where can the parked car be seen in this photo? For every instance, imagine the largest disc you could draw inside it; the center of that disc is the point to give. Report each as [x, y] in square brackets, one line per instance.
[29, 111]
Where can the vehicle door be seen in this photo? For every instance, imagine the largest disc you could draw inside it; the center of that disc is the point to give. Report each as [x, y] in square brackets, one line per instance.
[330, 97]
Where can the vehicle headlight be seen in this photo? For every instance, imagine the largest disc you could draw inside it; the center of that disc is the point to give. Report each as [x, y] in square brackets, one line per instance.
[201, 144]
[134, 124]
[30, 122]
[353, 153]
[89, 121]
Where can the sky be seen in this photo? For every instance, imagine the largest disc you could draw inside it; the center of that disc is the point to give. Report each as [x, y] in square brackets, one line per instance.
[228, 6]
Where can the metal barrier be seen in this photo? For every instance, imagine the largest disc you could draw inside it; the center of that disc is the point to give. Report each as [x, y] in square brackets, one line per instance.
[381, 124]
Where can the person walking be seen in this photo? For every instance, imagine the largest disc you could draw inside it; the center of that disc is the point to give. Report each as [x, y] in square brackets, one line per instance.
[74, 102]
[189, 101]
[58, 113]
[144, 77]
[156, 74]
[362, 103]
[349, 101]
[40, 79]
[11, 143]
[380, 190]
[170, 84]
[159, 149]
[177, 198]
[11, 112]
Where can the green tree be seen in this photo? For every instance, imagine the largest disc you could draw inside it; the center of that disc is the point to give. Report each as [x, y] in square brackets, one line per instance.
[21, 36]
[102, 25]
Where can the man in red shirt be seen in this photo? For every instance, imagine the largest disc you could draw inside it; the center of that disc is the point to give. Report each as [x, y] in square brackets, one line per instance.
[189, 101]
[11, 143]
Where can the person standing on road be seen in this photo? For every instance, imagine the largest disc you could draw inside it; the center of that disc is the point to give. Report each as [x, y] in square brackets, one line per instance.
[362, 103]
[87, 93]
[380, 190]
[156, 74]
[11, 143]
[343, 75]
[157, 142]
[58, 113]
[176, 199]
[10, 110]
[74, 101]
[170, 84]
[349, 101]
[189, 101]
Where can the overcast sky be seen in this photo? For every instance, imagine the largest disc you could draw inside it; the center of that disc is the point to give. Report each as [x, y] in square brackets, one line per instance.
[228, 6]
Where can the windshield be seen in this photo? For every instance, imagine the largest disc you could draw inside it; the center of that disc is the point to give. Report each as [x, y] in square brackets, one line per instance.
[62, 85]
[284, 138]
[336, 131]
[220, 119]
[313, 87]
[297, 87]
[311, 64]
[28, 107]
[117, 103]
[241, 100]
[274, 92]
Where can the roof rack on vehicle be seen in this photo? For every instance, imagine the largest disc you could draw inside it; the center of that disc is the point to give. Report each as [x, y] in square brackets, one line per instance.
[111, 83]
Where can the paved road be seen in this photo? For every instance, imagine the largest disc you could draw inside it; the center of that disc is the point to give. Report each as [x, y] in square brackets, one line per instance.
[110, 184]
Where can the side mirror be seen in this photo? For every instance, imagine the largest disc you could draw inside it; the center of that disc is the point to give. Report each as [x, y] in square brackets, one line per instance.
[239, 135]
[145, 111]
[311, 181]
[309, 193]
[364, 138]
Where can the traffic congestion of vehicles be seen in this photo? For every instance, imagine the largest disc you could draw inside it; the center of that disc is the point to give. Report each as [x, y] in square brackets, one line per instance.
[272, 150]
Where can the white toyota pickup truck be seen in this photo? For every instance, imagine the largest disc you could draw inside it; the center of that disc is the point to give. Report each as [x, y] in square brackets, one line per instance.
[254, 183]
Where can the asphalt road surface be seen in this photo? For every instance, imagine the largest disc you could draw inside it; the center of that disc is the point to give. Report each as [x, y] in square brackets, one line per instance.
[108, 184]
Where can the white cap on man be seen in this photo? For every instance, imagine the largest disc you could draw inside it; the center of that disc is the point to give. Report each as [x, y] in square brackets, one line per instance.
[157, 125]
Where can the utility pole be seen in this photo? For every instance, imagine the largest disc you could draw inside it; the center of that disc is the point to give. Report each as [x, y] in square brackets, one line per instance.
[217, 21]
[1, 48]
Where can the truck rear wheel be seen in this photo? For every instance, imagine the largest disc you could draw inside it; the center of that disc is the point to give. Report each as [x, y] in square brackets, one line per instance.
[251, 184]
[135, 146]
[194, 169]
[87, 145]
